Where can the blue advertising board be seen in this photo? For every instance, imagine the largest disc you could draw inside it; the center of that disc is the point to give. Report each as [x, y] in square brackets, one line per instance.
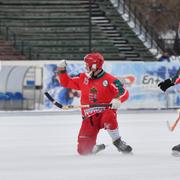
[140, 78]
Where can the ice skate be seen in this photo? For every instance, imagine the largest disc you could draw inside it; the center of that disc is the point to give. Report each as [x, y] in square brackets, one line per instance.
[122, 146]
[98, 148]
[176, 150]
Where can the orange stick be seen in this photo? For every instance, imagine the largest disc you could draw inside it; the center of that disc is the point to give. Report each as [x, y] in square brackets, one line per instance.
[173, 126]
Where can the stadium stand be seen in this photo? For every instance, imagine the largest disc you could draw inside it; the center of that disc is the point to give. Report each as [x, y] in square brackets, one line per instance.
[8, 52]
[58, 29]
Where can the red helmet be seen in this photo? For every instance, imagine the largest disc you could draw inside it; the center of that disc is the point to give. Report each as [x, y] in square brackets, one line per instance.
[94, 60]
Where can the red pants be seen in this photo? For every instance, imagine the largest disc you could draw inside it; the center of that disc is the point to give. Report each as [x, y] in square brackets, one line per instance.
[90, 128]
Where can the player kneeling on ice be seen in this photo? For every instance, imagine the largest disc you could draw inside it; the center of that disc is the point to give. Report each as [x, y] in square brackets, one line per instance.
[97, 87]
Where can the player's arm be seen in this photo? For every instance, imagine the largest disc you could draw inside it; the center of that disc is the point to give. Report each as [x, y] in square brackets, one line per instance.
[121, 92]
[164, 85]
[64, 78]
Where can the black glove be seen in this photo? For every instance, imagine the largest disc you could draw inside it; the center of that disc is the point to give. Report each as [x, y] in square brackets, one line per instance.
[165, 84]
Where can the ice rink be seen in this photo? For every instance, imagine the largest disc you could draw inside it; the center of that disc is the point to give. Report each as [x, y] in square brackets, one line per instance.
[42, 146]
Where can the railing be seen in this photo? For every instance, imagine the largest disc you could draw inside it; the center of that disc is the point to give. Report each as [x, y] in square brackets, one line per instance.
[143, 26]
[90, 25]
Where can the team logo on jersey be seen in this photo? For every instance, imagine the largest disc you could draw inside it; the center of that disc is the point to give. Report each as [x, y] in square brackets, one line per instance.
[93, 90]
[105, 83]
[93, 94]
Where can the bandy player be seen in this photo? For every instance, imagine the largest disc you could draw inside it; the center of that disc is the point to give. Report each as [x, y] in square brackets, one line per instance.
[97, 87]
[164, 86]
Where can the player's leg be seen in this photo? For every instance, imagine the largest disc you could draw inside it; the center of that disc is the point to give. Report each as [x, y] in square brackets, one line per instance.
[109, 122]
[87, 137]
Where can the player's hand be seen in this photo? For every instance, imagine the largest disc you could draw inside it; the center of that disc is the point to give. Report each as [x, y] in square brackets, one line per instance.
[164, 85]
[116, 103]
[61, 67]
[62, 64]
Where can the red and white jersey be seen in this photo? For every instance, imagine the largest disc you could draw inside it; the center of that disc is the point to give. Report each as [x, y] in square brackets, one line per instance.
[95, 91]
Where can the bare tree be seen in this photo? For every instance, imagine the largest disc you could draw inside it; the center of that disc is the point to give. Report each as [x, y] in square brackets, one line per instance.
[163, 15]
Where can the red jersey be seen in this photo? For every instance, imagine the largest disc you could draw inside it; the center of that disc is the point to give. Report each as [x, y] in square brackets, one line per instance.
[100, 90]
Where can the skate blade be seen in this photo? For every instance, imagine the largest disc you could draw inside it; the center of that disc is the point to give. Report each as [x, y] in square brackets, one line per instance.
[176, 153]
[127, 153]
[96, 151]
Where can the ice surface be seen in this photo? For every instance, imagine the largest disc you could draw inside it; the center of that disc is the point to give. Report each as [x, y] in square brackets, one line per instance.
[43, 147]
